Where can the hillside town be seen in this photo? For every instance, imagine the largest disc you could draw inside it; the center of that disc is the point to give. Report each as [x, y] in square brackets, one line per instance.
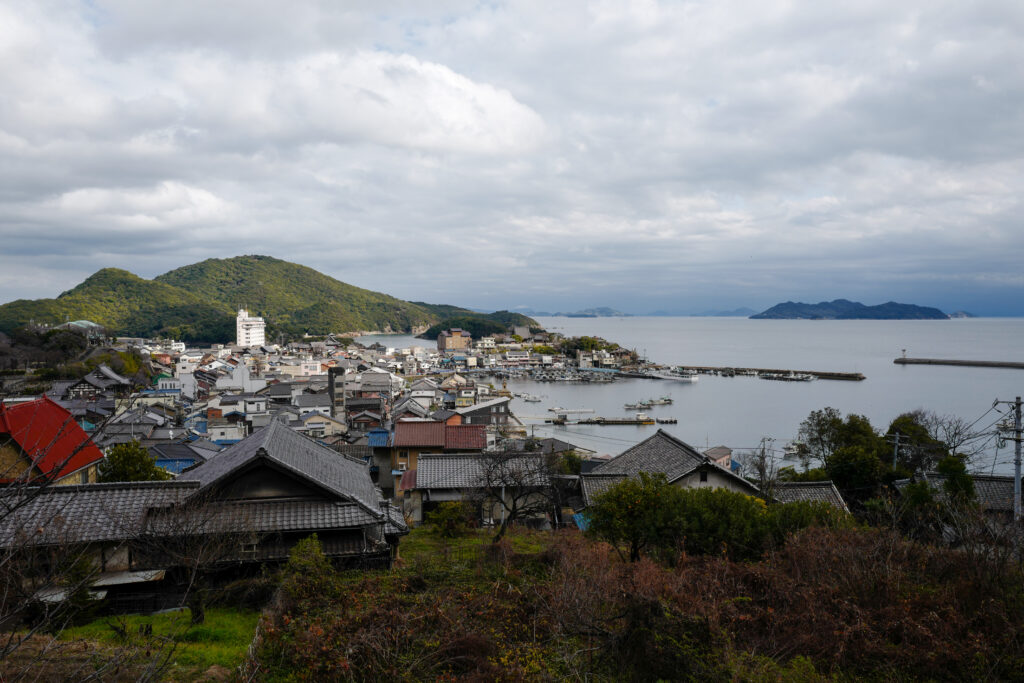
[243, 450]
[378, 437]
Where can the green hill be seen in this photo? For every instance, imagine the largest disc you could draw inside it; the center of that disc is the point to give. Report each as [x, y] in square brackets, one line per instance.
[198, 302]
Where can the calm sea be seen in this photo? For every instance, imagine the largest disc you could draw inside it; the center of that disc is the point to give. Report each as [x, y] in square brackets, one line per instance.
[739, 411]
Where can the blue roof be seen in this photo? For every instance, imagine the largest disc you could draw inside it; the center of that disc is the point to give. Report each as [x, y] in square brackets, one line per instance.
[378, 438]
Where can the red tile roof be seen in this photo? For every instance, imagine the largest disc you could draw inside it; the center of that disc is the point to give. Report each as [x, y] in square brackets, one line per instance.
[465, 437]
[419, 434]
[49, 436]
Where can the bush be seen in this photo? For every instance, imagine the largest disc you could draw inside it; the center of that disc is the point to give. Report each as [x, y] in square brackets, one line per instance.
[650, 515]
[451, 519]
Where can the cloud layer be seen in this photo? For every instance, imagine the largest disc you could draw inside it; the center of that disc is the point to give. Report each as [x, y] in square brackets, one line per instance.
[644, 155]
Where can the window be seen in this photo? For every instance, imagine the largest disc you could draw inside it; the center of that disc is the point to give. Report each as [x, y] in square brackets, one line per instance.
[703, 476]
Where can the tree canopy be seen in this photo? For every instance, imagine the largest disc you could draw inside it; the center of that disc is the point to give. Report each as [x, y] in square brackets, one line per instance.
[130, 462]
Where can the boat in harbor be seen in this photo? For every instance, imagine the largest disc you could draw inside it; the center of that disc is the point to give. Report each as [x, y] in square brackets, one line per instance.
[569, 411]
[530, 398]
[663, 401]
[681, 374]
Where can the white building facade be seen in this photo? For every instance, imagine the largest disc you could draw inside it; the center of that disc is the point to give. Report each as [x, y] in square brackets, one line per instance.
[250, 331]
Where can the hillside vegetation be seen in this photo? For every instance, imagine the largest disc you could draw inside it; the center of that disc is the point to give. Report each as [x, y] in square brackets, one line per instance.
[199, 302]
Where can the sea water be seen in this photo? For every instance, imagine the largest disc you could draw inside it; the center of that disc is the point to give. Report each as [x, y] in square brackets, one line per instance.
[739, 411]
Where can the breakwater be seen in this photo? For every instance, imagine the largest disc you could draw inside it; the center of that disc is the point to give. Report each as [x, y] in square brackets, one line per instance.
[962, 363]
[731, 371]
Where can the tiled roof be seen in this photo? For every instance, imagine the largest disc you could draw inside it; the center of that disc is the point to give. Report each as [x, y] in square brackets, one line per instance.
[819, 491]
[992, 491]
[595, 484]
[396, 522]
[88, 513]
[449, 471]
[276, 442]
[49, 436]
[265, 516]
[452, 471]
[659, 453]
[429, 434]
[465, 437]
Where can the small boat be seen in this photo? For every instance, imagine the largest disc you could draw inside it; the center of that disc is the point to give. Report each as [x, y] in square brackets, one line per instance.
[663, 401]
[639, 405]
[530, 398]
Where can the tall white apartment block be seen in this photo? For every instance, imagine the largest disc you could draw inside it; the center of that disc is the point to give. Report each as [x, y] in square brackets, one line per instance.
[250, 331]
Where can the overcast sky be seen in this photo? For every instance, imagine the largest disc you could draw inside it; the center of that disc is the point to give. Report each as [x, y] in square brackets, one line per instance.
[558, 155]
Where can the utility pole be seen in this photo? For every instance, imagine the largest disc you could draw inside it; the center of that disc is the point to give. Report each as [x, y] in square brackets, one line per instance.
[1016, 460]
[1016, 456]
[895, 440]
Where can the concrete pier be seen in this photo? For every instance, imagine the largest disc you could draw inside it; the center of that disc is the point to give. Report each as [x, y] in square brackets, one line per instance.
[705, 369]
[963, 363]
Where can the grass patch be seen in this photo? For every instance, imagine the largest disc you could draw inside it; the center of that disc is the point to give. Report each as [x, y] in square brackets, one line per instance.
[221, 641]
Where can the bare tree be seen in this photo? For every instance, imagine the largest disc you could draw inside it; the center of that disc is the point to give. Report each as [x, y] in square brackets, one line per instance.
[195, 538]
[516, 486]
[760, 466]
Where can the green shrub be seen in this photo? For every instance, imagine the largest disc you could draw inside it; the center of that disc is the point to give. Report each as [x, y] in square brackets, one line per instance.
[451, 519]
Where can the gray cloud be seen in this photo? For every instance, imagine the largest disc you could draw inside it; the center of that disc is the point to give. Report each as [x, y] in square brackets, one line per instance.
[647, 155]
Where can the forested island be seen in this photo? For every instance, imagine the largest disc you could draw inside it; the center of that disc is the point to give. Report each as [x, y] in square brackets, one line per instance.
[844, 309]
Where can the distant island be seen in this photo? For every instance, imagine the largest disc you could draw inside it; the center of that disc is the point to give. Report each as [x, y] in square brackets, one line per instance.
[843, 309]
[601, 312]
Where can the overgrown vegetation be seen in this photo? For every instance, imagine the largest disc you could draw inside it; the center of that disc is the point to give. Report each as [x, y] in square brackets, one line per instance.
[826, 604]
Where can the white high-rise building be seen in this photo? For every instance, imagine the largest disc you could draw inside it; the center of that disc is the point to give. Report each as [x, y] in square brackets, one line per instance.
[251, 331]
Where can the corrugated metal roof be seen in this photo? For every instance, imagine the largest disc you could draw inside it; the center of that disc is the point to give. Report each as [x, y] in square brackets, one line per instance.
[429, 434]
[49, 436]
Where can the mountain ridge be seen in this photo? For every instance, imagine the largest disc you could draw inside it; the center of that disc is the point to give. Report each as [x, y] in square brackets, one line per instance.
[198, 302]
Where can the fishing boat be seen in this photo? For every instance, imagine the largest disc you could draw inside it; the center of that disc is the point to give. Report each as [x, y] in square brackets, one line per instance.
[681, 374]
[530, 398]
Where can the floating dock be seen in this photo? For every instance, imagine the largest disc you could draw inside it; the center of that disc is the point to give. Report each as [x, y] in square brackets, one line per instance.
[731, 371]
[962, 363]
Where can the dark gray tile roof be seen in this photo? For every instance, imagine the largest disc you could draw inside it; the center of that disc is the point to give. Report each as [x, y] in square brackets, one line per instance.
[992, 491]
[453, 471]
[818, 491]
[343, 476]
[265, 516]
[595, 484]
[659, 453]
[312, 400]
[396, 522]
[87, 513]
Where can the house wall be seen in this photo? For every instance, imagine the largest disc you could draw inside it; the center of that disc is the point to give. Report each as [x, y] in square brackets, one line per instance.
[716, 480]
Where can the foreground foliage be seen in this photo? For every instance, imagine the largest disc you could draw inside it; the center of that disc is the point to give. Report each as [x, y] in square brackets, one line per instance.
[827, 604]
